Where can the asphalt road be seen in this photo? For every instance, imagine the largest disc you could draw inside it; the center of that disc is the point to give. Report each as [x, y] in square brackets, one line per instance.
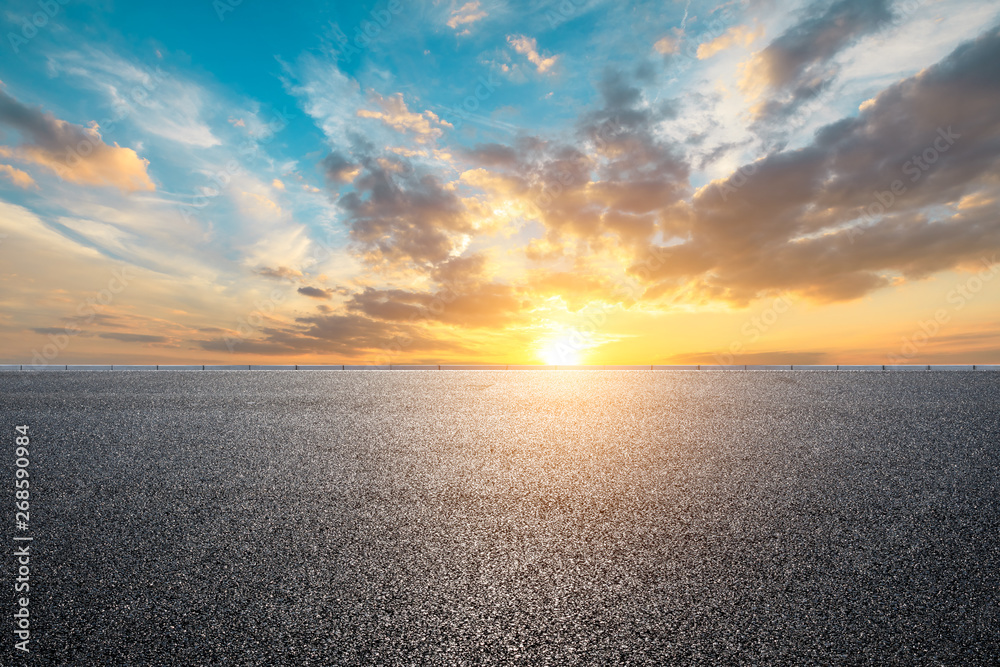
[269, 518]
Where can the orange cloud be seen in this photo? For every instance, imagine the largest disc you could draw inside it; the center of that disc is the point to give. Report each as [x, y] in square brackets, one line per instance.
[21, 179]
[396, 115]
[75, 153]
[740, 35]
[528, 46]
[667, 45]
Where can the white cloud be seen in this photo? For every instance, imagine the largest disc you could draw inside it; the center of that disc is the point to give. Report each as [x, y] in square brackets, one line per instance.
[152, 100]
[329, 96]
[467, 14]
[20, 223]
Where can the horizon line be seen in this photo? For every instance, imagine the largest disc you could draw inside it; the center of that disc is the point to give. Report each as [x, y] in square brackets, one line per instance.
[497, 367]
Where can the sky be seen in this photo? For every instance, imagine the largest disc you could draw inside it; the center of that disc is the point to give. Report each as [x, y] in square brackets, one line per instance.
[566, 182]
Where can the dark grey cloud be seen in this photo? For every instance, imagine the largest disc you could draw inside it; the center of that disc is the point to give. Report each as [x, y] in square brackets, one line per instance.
[490, 305]
[460, 271]
[492, 155]
[315, 292]
[336, 167]
[278, 272]
[55, 331]
[618, 92]
[796, 66]
[401, 215]
[349, 336]
[132, 337]
[41, 129]
[874, 197]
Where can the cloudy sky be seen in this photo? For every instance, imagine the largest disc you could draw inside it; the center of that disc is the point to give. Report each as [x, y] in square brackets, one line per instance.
[578, 181]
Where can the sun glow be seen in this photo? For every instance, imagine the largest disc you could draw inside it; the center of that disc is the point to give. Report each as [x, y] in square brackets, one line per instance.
[562, 351]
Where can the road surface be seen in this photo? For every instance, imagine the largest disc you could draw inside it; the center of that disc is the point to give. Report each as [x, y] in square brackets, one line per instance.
[600, 517]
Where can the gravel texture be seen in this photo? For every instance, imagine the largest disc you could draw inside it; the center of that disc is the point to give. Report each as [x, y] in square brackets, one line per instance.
[552, 518]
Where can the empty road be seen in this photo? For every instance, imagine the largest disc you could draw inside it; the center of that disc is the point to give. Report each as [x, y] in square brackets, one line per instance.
[560, 518]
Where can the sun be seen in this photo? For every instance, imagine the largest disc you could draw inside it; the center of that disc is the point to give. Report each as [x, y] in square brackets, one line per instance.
[563, 351]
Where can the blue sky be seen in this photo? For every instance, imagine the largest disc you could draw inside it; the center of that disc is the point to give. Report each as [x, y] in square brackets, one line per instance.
[564, 181]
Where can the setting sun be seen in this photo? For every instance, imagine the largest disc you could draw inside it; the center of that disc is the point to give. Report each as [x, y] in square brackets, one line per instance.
[562, 351]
